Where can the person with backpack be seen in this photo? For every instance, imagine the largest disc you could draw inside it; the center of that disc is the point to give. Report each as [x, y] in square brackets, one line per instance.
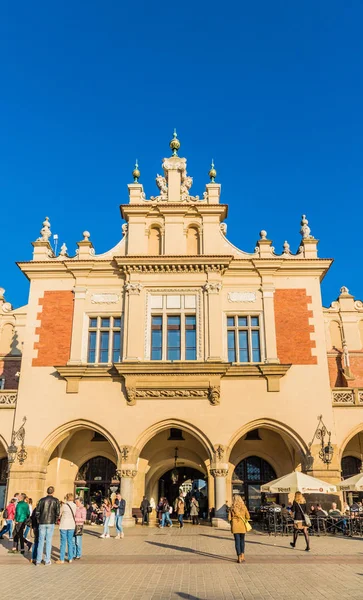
[165, 514]
[9, 516]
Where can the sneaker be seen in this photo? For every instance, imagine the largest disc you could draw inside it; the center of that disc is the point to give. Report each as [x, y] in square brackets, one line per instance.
[171, 525]
[13, 551]
[117, 537]
[102, 535]
[58, 562]
[46, 564]
[107, 536]
[122, 535]
[70, 561]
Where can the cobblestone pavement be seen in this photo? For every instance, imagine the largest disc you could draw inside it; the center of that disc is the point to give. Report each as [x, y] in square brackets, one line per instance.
[196, 563]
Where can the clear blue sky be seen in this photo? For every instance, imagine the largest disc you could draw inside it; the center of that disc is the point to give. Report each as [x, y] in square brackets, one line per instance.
[271, 90]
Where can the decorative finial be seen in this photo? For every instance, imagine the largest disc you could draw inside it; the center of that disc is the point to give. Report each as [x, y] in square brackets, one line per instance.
[175, 144]
[286, 247]
[136, 173]
[63, 250]
[305, 229]
[45, 231]
[263, 235]
[344, 290]
[86, 236]
[212, 172]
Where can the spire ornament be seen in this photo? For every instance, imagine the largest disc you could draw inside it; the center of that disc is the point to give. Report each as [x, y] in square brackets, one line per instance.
[45, 231]
[212, 172]
[136, 173]
[175, 144]
[305, 229]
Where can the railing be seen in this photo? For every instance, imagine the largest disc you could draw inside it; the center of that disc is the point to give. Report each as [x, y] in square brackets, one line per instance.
[347, 396]
[8, 398]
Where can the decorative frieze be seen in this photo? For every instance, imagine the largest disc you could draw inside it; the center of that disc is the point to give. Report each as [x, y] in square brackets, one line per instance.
[241, 296]
[219, 453]
[8, 398]
[127, 473]
[133, 288]
[212, 288]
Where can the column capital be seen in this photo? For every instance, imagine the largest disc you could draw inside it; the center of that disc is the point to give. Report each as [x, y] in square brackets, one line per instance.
[133, 288]
[212, 288]
[219, 472]
[127, 473]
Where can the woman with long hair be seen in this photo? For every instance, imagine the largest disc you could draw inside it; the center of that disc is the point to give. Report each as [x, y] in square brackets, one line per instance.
[238, 516]
[299, 511]
[106, 506]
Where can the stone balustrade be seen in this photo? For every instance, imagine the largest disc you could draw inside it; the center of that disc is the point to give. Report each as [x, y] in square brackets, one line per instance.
[347, 397]
[8, 398]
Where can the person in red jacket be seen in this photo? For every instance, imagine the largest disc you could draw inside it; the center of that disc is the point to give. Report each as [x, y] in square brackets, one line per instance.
[9, 516]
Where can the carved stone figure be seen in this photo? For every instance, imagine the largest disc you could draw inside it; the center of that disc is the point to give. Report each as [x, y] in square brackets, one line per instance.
[124, 228]
[161, 183]
[131, 396]
[214, 395]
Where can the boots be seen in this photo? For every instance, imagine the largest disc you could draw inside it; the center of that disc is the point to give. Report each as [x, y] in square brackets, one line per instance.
[242, 556]
[239, 558]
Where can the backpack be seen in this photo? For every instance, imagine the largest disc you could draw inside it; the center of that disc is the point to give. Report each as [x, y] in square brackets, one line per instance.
[5, 513]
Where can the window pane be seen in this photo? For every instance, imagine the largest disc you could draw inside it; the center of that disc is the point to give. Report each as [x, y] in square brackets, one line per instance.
[243, 346]
[105, 322]
[255, 321]
[256, 354]
[254, 468]
[104, 339]
[157, 338]
[190, 338]
[230, 321]
[231, 346]
[117, 322]
[116, 351]
[93, 322]
[92, 347]
[173, 338]
[242, 321]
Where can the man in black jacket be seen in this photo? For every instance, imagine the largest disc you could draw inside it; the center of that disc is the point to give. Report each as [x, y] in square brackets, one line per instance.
[145, 510]
[120, 506]
[47, 514]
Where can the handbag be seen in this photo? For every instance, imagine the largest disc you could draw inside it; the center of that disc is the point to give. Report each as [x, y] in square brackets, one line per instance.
[307, 519]
[247, 524]
[149, 509]
[78, 528]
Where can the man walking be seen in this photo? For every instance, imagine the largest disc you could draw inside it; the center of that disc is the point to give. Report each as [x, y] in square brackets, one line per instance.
[144, 507]
[120, 506]
[9, 516]
[180, 510]
[47, 514]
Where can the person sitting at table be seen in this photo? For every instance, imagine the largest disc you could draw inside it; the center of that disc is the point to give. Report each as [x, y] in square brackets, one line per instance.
[334, 511]
[337, 520]
[312, 511]
[285, 512]
[320, 512]
[346, 509]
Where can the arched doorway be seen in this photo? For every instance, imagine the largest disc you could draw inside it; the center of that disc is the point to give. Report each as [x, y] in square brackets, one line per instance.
[188, 480]
[95, 476]
[248, 476]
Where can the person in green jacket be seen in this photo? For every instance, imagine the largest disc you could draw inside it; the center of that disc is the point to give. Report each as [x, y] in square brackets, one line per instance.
[22, 514]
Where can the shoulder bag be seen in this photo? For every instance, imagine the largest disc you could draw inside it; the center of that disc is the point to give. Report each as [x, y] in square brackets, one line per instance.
[307, 519]
[78, 528]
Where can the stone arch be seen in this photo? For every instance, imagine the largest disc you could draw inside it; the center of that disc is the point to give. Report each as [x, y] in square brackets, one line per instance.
[284, 430]
[156, 428]
[353, 432]
[261, 454]
[60, 433]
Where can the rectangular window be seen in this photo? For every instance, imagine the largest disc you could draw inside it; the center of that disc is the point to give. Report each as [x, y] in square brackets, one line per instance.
[243, 339]
[174, 349]
[173, 325]
[104, 340]
[157, 338]
[190, 337]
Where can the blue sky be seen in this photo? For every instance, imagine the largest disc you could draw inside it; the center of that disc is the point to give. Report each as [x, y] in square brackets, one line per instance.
[271, 90]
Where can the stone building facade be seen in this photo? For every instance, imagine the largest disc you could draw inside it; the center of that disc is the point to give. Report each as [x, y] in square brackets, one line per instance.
[175, 349]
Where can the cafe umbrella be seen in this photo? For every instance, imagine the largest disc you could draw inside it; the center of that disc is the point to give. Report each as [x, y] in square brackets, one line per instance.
[353, 484]
[298, 482]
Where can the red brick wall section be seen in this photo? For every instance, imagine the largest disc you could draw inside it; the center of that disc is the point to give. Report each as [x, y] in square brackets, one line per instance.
[356, 368]
[55, 331]
[335, 374]
[292, 327]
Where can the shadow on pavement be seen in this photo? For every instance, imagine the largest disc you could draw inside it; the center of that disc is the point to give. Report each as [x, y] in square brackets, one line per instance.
[191, 551]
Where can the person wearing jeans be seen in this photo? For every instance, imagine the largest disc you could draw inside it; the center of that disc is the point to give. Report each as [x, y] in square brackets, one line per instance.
[67, 526]
[119, 506]
[46, 515]
[81, 514]
[8, 527]
[180, 504]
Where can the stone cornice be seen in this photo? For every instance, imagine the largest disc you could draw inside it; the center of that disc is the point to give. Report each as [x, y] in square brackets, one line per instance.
[173, 264]
[173, 208]
[177, 380]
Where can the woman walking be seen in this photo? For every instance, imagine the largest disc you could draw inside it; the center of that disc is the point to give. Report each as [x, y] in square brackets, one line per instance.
[194, 511]
[238, 515]
[106, 518]
[66, 529]
[300, 513]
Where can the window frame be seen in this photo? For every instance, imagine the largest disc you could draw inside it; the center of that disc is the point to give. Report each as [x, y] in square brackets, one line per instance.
[249, 328]
[182, 312]
[99, 329]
